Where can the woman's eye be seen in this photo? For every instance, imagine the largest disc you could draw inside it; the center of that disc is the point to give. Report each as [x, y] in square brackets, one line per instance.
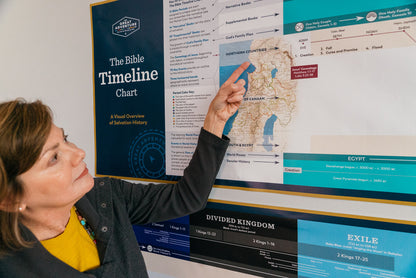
[66, 138]
[54, 159]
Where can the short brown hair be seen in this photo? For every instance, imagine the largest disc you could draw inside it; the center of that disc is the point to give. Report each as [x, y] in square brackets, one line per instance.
[24, 129]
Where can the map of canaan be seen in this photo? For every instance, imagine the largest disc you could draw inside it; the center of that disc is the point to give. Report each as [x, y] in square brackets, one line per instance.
[270, 99]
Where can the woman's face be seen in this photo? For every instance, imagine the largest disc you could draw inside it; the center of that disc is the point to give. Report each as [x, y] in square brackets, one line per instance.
[59, 178]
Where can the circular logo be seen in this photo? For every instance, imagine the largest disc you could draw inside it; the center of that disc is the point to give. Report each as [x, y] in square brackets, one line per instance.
[149, 248]
[147, 155]
[299, 27]
[371, 16]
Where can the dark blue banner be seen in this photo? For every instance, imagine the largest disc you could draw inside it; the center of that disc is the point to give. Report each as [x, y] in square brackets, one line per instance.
[129, 89]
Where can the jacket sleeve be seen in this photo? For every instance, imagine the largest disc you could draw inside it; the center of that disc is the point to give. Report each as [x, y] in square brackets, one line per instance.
[152, 202]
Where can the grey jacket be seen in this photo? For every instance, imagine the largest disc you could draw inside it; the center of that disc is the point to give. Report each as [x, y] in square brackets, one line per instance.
[113, 205]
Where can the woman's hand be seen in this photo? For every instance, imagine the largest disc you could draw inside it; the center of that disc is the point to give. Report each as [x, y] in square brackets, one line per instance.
[226, 102]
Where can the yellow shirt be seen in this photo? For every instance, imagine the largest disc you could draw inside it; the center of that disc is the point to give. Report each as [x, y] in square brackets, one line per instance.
[74, 246]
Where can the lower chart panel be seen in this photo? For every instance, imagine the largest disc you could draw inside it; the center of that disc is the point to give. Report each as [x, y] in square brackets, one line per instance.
[276, 243]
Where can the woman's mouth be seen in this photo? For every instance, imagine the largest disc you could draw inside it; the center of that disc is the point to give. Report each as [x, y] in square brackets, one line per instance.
[83, 173]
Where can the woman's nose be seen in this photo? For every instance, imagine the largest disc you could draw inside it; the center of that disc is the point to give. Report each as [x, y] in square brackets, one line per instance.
[78, 155]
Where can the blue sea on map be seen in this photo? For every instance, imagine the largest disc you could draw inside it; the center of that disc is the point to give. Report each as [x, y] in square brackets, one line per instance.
[274, 71]
[268, 133]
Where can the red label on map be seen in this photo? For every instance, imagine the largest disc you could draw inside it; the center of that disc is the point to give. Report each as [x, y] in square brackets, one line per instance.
[307, 71]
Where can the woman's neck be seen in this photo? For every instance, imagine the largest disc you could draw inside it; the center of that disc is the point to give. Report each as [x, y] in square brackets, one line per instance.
[46, 223]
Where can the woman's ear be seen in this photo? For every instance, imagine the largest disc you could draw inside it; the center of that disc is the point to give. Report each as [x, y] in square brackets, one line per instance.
[21, 207]
[9, 206]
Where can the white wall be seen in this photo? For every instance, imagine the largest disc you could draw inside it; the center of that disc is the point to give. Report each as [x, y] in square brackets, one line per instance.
[46, 54]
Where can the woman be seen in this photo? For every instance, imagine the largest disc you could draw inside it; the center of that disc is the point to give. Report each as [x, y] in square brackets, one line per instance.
[57, 221]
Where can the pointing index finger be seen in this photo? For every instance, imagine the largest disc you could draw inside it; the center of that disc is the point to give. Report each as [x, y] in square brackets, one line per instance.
[236, 74]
